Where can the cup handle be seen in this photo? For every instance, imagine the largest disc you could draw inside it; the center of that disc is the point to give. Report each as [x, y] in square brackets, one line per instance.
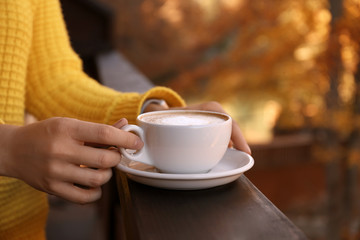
[141, 155]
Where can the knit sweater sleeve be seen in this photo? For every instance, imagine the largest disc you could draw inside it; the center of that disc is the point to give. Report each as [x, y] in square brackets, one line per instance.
[57, 86]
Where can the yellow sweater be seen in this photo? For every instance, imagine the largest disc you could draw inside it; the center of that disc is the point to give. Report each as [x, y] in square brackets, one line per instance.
[40, 73]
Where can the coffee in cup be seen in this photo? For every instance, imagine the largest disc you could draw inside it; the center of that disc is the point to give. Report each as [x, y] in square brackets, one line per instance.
[183, 118]
[181, 141]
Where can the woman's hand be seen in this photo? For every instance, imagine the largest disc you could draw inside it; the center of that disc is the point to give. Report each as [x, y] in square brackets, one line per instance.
[48, 154]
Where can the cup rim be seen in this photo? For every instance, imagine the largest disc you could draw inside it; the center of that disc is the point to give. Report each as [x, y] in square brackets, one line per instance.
[184, 110]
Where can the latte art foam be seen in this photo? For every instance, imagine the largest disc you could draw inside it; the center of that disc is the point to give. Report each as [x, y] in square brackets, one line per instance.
[183, 119]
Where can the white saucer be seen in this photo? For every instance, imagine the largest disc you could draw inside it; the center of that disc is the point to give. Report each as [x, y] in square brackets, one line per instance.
[232, 165]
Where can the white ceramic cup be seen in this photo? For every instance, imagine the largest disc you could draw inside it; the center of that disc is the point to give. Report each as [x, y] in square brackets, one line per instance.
[181, 141]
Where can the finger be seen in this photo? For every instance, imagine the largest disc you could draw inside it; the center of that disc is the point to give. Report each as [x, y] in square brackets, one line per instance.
[83, 175]
[122, 122]
[155, 107]
[238, 139]
[90, 177]
[95, 157]
[76, 194]
[105, 134]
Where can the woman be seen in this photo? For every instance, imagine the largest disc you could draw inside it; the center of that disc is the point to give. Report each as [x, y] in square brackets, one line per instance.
[40, 73]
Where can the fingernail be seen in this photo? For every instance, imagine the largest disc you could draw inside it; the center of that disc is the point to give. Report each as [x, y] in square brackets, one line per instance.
[248, 149]
[120, 123]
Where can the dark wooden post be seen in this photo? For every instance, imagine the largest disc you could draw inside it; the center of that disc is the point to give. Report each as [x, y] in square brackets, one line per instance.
[352, 191]
[331, 140]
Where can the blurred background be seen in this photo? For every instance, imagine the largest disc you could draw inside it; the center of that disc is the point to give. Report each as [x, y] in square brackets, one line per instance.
[286, 70]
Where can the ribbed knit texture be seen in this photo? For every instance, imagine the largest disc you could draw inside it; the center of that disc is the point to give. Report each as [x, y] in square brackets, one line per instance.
[40, 72]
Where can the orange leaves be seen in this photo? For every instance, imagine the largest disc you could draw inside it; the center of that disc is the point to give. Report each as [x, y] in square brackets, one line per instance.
[223, 49]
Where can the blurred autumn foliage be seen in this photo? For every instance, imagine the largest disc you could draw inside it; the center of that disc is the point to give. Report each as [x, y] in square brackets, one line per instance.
[286, 66]
[249, 52]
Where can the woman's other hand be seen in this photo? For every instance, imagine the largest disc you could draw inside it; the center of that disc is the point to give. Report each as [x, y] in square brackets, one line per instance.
[50, 155]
